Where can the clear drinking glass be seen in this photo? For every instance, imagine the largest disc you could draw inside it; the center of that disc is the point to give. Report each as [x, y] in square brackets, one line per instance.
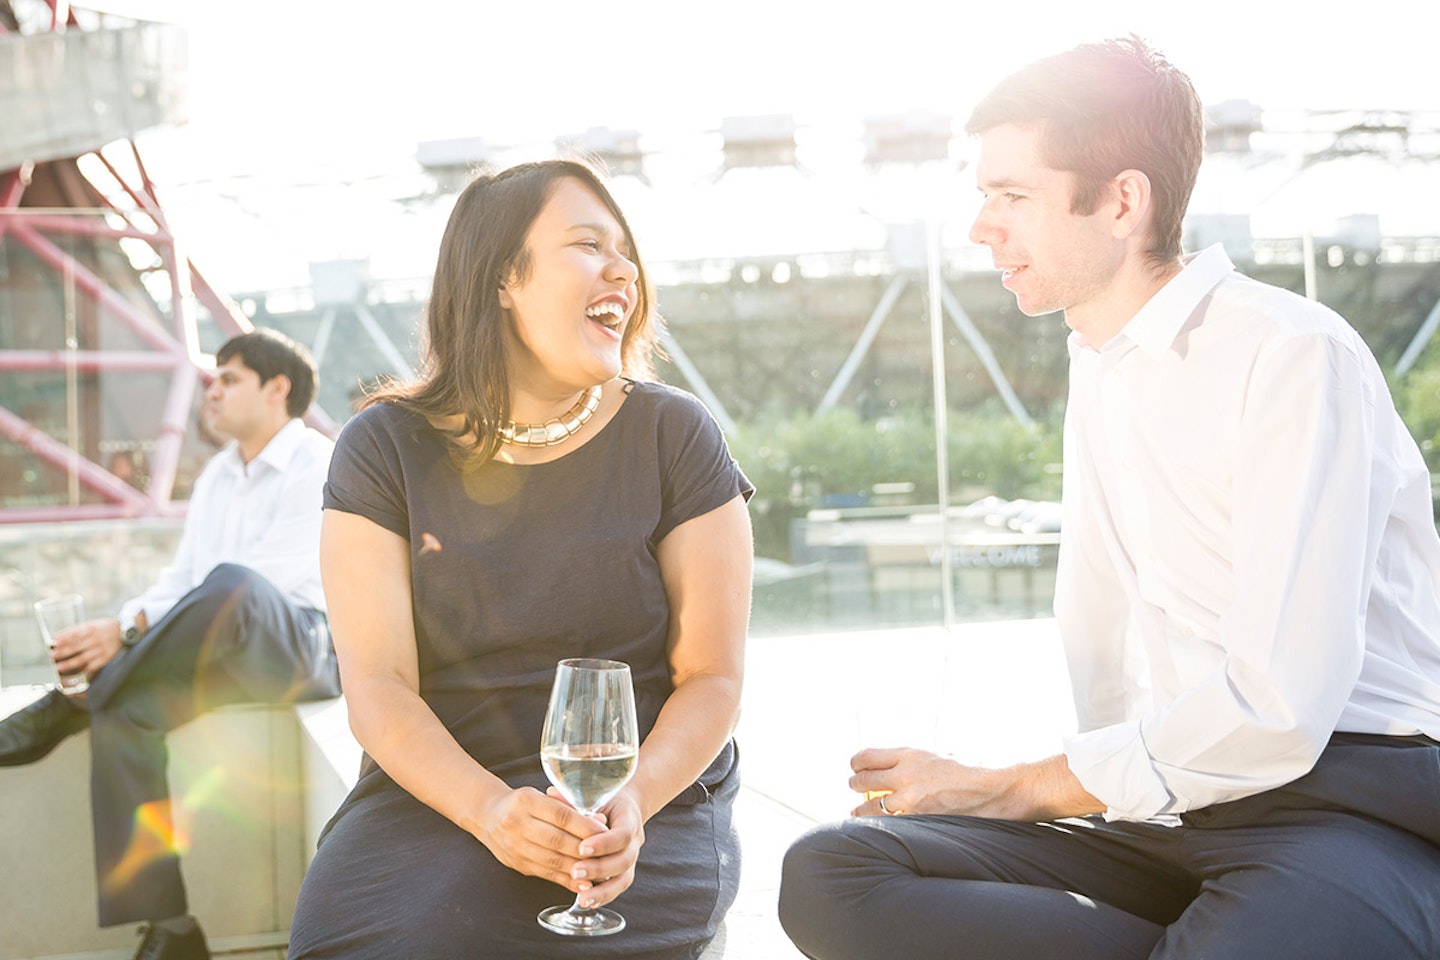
[588, 748]
[56, 614]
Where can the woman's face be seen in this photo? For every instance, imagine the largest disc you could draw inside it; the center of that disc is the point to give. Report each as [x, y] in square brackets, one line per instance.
[569, 312]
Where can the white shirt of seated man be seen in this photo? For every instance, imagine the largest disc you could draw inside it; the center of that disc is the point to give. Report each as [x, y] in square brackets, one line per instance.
[257, 503]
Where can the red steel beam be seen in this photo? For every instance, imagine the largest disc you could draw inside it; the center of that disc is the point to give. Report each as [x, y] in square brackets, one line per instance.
[175, 355]
[165, 459]
[144, 199]
[129, 361]
[59, 14]
[145, 180]
[69, 223]
[97, 289]
[181, 271]
[12, 188]
[226, 312]
[91, 474]
[181, 313]
[80, 511]
[227, 315]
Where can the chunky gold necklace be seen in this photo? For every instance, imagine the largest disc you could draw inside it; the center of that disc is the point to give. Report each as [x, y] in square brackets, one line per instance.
[557, 429]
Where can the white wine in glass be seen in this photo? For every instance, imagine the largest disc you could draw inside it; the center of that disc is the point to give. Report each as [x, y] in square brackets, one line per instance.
[588, 749]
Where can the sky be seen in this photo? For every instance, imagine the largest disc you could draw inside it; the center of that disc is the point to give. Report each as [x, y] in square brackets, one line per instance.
[305, 117]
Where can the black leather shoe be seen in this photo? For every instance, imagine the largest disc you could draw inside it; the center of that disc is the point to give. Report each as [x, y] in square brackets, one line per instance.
[29, 734]
[162, 944]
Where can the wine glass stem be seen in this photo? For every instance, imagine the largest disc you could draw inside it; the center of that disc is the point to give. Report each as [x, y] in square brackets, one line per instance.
[583, 915]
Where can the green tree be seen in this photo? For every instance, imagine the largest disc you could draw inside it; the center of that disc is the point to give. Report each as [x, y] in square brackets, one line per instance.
[1417, 397]
[798, 461]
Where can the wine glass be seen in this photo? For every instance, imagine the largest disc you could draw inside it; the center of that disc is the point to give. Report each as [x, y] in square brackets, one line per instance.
[61, 613]
[588, 749]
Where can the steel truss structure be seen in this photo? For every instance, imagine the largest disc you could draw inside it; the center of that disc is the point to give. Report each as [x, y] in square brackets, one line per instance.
[91, 219]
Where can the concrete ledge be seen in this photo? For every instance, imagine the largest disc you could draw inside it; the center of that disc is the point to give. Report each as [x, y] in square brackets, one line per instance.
[237, 790]
[330, 757]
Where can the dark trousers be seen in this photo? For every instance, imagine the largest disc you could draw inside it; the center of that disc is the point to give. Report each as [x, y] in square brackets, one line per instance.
[233, 639]
[1343, 863]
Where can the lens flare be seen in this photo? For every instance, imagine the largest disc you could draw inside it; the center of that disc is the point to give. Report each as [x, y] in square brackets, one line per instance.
[157, 835]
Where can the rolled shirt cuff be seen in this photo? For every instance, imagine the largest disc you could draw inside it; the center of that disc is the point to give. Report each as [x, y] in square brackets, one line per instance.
[131, 610]
[1114, 766]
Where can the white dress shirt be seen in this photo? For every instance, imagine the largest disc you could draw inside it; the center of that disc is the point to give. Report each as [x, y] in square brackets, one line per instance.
[1249, 561]
[264, 515]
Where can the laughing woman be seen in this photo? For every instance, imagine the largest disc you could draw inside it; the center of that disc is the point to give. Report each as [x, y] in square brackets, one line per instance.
[536, 496]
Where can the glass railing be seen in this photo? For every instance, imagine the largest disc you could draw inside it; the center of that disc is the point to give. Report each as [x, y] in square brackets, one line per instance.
[67, 93]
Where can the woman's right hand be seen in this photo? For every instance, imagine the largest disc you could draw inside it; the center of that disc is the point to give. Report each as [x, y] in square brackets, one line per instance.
[536, 835]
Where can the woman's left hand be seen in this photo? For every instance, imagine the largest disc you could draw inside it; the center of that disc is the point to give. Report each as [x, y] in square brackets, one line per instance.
[607, 865]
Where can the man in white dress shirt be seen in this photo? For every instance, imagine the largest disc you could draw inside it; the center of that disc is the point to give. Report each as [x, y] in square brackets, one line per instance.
[238, 616]
[1248, 595]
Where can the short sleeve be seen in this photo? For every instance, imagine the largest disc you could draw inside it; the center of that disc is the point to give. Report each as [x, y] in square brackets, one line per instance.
[367, 476]
[698, 472]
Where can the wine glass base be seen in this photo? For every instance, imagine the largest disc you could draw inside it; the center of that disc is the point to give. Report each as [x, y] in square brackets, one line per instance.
[585, 923]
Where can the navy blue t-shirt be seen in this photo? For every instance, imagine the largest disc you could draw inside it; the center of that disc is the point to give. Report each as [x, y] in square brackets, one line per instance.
[535, 563]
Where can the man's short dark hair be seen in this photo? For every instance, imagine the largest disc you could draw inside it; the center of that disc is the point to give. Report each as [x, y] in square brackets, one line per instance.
[1107, 107]
[270, 353]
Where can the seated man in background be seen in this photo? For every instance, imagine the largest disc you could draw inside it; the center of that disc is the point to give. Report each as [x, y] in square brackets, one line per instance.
[238, 616]
[1248, 595]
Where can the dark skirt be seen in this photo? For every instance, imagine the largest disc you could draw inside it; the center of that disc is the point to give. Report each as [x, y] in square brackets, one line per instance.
[392, 878]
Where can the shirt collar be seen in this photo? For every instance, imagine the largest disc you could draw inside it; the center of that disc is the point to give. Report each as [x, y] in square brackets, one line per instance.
[1156, 325]
[277, 453]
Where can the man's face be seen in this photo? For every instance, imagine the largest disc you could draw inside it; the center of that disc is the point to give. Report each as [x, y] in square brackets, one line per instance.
[1052, 259]
[238, 405]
